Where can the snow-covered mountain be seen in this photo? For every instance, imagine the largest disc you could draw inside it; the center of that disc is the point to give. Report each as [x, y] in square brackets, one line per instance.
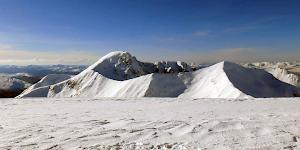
[11, 86]
[42, 70]
[122, 66]
[15, 79]
[279, 71]
[283, 75]
[118, 74]
[10, 83]
[47, 81]
[229, 80]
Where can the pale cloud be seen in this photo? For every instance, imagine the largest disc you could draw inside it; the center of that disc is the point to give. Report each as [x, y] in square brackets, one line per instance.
[5, 46]
[171, 40]
[236, 55]
[29, 39]
[201, 33]
[10, 56]
[254, 25]
[242, 28]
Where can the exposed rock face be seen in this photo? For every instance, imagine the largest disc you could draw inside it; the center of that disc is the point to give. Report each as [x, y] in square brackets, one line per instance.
[122, 66]
[172, 67]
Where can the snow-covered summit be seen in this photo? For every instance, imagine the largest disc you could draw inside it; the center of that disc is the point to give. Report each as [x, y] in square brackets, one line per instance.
[121, 65]
[118, 65]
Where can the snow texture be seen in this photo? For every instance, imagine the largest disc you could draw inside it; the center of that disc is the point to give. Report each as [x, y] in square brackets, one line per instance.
[150, 123]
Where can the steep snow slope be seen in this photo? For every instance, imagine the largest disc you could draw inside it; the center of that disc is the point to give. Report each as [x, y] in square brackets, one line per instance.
[279, 71]
[222, 80]
[283, 75]
[258, 82]
[47, 81]
[212, 82]
[229, 80]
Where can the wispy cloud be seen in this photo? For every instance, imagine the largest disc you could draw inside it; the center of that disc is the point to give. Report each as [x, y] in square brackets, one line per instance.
[10, 56]
[242, 28]
[201, 33]
[171, 39]
[5, 46]
[253, 25]
[236, 55]
[30, 39]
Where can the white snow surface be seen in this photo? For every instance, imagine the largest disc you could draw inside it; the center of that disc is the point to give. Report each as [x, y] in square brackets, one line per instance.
[150, 123]
[222, 80]
[47, 81]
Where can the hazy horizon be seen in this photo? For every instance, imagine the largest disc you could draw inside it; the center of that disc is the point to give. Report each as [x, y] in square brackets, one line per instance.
[80, 32]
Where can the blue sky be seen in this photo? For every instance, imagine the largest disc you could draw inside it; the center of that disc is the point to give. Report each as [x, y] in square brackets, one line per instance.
[81, 31]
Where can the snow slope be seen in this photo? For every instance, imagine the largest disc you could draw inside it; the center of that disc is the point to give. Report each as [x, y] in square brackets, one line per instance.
[222, 80]
[279, 71]
[258, 82]
[150, 123]
[283, 75]
[46, 81]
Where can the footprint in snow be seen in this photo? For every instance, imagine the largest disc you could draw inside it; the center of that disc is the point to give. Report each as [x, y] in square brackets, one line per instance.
[296, 138]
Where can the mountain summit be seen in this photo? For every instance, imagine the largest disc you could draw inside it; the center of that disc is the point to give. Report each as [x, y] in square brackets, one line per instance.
[121, 65]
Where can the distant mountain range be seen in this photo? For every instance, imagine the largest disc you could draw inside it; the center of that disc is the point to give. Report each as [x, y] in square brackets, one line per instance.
[15, 79]
[43, 70]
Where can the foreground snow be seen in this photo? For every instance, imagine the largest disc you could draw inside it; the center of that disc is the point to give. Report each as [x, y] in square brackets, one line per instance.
[150, 123]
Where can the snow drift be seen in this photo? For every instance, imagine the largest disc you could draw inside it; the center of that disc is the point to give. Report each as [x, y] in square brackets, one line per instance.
[119, 74]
